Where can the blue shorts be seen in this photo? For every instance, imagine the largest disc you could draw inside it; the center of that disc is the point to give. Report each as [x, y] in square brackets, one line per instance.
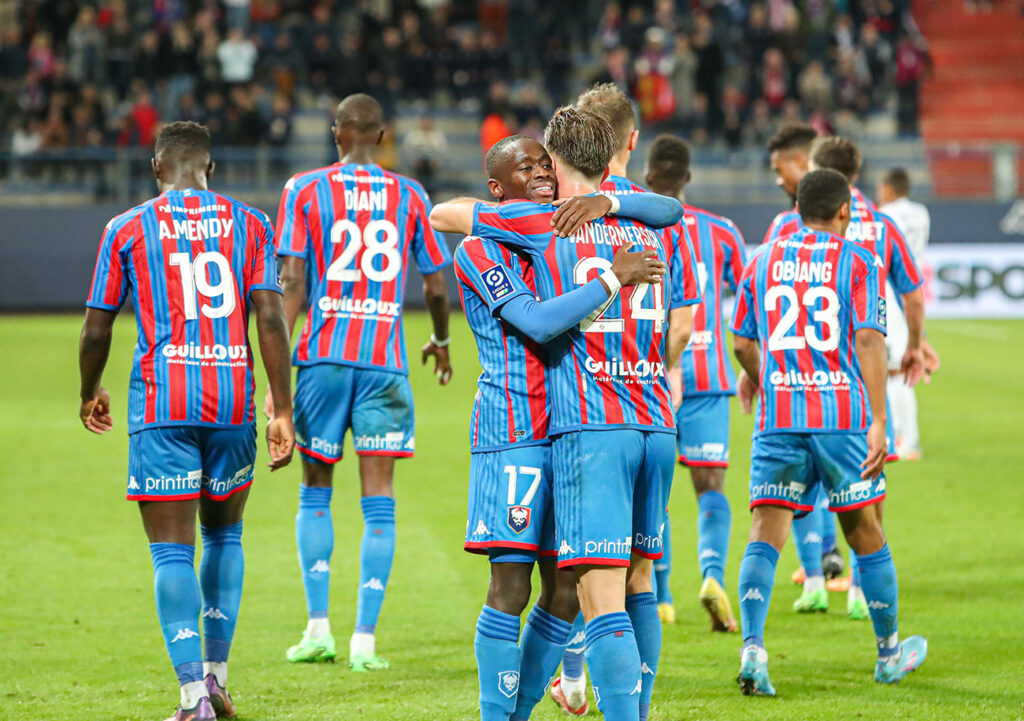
[702, 431]
[611, 490]
[785, 469]
[180, 463]
[510, 504]
[330, 399]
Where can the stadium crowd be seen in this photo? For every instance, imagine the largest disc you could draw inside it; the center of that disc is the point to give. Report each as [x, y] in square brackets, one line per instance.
[108, 72]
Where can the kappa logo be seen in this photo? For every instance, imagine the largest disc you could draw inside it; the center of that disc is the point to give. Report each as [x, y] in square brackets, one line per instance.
[709, 553]
[881, 485]
[637, 689]
[597, 696]
[216, 614]
[519, 518]
[374, 584]
[752, 594]
[565, 549]
[812, 537]
[578, 639]
[481, 529]
[133, 485]
[320, 566]
[508, 683]
[184, 634]
[877, 605]
[644, 668]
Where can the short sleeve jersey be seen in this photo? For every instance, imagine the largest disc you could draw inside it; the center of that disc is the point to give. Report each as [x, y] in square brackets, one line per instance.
[356, 226]
[609, 372]
[803, 297]
[190, 259]
[510, 408]
[721, 257]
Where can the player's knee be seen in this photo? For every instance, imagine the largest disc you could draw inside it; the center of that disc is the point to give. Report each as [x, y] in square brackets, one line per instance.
[706, 480]
[558, 595]
[638, 577]
[510, 588]
[316, 474]
[863, 530]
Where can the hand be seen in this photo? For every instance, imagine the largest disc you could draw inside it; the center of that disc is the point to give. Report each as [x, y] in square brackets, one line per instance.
[635, 268]
[878, 450]
[675, 384]
[912, 366]
[268, 405]
[931, 360]
[95, 413]
[280, 441]
[746, 389]
[442, 366]
[573, 212]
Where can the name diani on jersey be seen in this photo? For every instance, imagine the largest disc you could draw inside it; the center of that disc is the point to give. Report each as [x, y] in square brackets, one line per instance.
[356, 199]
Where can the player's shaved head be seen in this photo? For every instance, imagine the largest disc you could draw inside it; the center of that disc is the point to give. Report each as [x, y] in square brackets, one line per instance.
[788, 152]
[899, 180]
[359, 113]
[503, 152]
[668, 165]
[835, 153]
[608, 101]
[821, 194]
[183, 146]
[793, 136]
[581, 139]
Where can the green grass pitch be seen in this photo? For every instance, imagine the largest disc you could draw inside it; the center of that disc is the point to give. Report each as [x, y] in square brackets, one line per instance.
[78, 631]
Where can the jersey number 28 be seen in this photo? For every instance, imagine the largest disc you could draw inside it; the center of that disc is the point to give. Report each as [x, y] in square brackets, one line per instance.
[379, 237]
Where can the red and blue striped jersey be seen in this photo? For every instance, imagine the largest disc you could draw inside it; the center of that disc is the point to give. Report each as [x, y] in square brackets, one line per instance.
[609, 372]
[683, 278]
[355, 226]
[721, 257]
[190, 259]
[510, 408]
[803, 297]
[871, 229]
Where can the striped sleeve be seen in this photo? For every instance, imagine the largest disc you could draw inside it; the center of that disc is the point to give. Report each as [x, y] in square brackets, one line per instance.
[483, 267]
[109, 280]
[519, 223]
[903, 271]
[683, 268]
[429, 247]
[292, 228]
[868, 298]
[744, 315]
[263, 265]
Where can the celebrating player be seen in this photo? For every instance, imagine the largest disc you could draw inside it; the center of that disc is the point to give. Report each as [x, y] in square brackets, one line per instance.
[809, 326]
[612, 420]
[194, 261]
[706, 380]
[914, 222]
[510, 517]
[346, 231]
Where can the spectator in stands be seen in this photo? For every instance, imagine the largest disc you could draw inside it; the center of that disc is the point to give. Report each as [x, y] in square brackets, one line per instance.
[774, 79]
[120, 54]
[237, 14]
[683, 77]
[815, 88]
[148, 64]
[424, 145]
[85, 47]
[182, 67]
[910, 67]
[710, 65]
[237, 55]
[144, 116]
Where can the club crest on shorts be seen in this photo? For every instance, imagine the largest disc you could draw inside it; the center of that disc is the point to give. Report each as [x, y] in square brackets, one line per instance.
[519, 518]
[508, 683]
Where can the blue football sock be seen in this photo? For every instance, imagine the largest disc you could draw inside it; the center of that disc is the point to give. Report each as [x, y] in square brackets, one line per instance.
[757, 577]
[828, 529]
[714, 524]
[807, 539]
[221, 572]
[314, 532]
[541, 646]
[854, 570]
[881, 591]
[497, 661]
[378, 551]
[663, 566]
[178, 602]
[643, 615]
[572, 659]
[614, 663]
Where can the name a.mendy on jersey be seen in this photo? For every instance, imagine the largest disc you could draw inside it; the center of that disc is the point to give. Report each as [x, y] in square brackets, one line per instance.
[199, 229]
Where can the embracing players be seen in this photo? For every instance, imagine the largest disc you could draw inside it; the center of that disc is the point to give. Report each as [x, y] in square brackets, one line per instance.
[195, 261]
[612, 422]
[809, 325]
[346, 233]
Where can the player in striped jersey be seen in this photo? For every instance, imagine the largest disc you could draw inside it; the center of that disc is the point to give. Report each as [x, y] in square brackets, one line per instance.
[877, 233]
[346, 234]
[510, 516]
[704, 382]
[611, 414]
[195, 261]
[809, 325]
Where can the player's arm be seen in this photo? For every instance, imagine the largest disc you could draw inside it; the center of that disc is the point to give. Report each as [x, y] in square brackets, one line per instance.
[870, 346]
[744, 346]
[680, 325]
[913, 364]
[435, 291]
[293, 288]
[93, 350]
[651, 209]
[454, 216]
[544, 320]
[272, 328]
